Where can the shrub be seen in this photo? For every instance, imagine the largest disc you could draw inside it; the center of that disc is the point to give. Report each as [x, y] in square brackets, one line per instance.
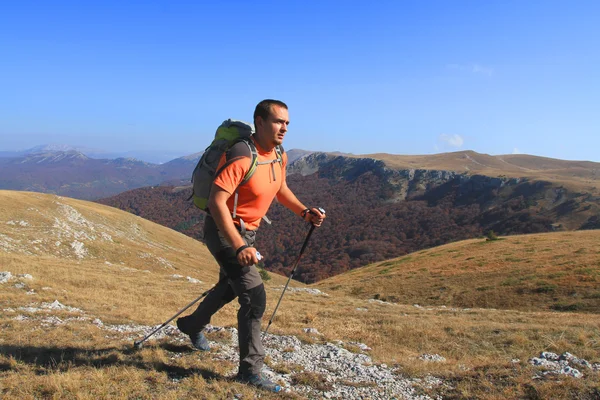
[491, 235]
[264, 274]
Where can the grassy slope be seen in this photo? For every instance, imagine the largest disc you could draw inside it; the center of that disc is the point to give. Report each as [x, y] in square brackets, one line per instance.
[524, 272]
[78, 360]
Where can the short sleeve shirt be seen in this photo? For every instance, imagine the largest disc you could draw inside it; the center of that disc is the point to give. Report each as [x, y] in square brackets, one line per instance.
[256, 195]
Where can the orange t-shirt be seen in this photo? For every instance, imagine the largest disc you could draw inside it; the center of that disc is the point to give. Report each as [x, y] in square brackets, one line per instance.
[256, 195]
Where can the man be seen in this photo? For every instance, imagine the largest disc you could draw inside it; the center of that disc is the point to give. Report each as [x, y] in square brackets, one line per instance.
[230, 236]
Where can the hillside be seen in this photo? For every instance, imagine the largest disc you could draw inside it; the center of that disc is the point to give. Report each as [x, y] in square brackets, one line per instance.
[550, 271]
[376, 212]
[81, 281]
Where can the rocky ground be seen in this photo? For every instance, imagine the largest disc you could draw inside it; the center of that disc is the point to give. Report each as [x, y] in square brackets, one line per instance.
[339, 370]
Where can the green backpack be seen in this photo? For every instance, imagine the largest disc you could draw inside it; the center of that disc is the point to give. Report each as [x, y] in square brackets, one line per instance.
[228, 133]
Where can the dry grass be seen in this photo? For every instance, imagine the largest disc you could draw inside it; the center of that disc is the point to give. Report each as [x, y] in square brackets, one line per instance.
[78, 360]
[552, 271]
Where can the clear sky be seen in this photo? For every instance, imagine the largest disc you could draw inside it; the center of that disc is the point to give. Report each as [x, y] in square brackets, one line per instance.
[401, 77]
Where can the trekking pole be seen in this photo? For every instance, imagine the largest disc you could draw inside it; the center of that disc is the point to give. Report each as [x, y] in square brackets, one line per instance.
[138, 343]
[312, 228]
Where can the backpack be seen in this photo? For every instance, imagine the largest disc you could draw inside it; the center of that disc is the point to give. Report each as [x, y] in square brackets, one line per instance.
[228, 133]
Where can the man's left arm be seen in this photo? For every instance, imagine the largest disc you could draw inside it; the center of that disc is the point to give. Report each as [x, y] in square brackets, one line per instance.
[286, 197]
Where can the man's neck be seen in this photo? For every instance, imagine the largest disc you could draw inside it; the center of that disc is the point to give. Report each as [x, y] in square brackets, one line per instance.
[266, 147]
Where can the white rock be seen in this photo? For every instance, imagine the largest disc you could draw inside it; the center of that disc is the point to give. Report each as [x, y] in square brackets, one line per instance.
[193, 280]
[432, 358]
[380, 302]
[542, 362]
[5, 276]
[25, 276]
[549, 356]
[311, 331]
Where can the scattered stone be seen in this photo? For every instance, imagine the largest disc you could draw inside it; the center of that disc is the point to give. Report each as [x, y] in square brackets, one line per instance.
[25, 276]
[193, 280]
[57, 306]
[79, 249]
[554, 364]
[361, 309]
[5, 276]
[20, 285]
[380, 302]
[315, 292]
[52, 320]
[542, 362]
[361, 346]
[549, 356]
[311, 331]
[175, 276]
[432, 358]
[20, 223]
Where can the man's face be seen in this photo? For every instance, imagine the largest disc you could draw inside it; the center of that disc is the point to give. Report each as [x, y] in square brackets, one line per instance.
[274, 127]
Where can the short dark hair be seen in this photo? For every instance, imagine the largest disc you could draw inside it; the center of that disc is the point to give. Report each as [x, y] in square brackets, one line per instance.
[263, 109]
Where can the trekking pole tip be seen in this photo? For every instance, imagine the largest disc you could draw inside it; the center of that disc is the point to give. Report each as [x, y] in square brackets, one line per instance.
[137, 344]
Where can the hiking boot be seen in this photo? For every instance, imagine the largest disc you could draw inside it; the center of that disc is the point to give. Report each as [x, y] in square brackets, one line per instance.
[198, 339]
[258, 380]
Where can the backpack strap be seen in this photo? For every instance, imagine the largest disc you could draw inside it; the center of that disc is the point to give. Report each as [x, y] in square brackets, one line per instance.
[235, 152]
[278, 159]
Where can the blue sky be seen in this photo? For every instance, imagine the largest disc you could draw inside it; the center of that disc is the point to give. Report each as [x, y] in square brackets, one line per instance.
[401, 77]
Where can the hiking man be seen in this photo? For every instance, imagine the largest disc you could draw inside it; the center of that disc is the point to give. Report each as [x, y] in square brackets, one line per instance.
[235, 212]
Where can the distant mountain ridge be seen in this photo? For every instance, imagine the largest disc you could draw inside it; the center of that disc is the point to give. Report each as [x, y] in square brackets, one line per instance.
[153, 157]
[73, 174]
[67, 171]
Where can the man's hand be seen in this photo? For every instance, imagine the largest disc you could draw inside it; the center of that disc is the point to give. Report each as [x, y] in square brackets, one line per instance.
[248, 256]
[314, 215]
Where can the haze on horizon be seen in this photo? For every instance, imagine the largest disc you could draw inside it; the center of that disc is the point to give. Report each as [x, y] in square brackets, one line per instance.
[395, 77]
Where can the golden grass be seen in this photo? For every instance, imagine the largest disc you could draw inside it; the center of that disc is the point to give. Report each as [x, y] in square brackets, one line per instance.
[78, 360]
[559, 271]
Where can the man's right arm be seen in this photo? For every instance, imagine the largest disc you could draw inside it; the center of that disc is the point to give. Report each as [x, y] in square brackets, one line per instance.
[217, 204]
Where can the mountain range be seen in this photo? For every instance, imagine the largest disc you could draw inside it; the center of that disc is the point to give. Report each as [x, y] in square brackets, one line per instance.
[150, 156]
[71, 173]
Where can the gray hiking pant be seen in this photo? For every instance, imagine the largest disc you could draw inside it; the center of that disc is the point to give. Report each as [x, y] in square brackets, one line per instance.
[244, 283]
